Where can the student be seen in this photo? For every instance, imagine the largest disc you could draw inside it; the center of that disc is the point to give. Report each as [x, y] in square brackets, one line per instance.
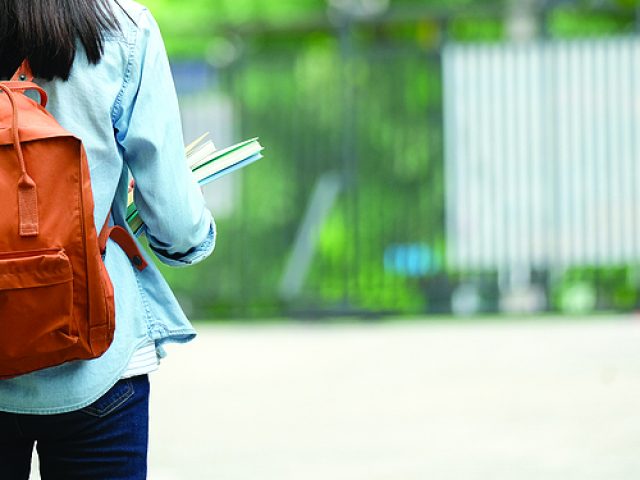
[105, 70]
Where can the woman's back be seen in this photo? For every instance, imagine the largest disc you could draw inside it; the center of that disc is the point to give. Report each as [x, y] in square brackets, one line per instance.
[129, 93]
[126, 113]
[116, 94]
[124, 108]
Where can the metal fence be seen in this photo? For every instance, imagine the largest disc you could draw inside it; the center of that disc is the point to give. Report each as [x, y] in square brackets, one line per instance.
[402, 179]
[542, 158]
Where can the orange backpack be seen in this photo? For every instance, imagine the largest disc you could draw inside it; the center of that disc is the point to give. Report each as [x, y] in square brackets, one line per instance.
[56, 298]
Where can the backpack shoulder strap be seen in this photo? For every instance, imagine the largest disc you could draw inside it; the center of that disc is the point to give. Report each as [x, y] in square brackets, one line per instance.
[125, 241]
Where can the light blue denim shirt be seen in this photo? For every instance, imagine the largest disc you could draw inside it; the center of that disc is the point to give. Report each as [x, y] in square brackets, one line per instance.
[125, 111]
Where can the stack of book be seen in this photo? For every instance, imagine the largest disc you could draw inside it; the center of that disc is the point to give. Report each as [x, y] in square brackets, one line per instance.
[207, 164]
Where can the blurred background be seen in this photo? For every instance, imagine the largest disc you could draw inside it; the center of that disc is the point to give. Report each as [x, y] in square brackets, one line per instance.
[423, 157]
[458, 179]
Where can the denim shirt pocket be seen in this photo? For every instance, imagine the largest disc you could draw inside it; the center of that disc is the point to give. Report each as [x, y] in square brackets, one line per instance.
[112, 400]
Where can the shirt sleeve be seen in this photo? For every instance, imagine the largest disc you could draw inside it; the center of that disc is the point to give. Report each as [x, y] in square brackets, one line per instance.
[148, 129]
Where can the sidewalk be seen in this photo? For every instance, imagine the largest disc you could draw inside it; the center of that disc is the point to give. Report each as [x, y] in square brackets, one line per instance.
[552, 400]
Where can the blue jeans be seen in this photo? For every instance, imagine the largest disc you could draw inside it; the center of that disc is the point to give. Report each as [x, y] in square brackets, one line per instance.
[107, 440]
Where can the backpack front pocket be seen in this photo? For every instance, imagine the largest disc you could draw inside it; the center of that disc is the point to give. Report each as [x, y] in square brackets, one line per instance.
[36, 304]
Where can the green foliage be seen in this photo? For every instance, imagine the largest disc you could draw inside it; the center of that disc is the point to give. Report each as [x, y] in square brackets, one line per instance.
[583, 289]
[372, 112]
[189, 26]
[477, 29]
[565, 23]
[318, 112]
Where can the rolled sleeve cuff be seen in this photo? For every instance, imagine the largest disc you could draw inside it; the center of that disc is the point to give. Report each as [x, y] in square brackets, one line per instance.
[193, 256]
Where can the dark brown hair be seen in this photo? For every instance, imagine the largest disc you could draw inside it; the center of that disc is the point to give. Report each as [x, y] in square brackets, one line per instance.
[45, 32]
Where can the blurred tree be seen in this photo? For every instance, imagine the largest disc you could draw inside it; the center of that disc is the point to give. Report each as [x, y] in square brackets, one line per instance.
[189, 26]
[318, 96]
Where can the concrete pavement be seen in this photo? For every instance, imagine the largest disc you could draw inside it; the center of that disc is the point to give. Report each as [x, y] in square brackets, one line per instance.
[539, 399]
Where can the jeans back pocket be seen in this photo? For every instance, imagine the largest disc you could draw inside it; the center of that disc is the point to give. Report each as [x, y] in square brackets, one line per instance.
[112, 400]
